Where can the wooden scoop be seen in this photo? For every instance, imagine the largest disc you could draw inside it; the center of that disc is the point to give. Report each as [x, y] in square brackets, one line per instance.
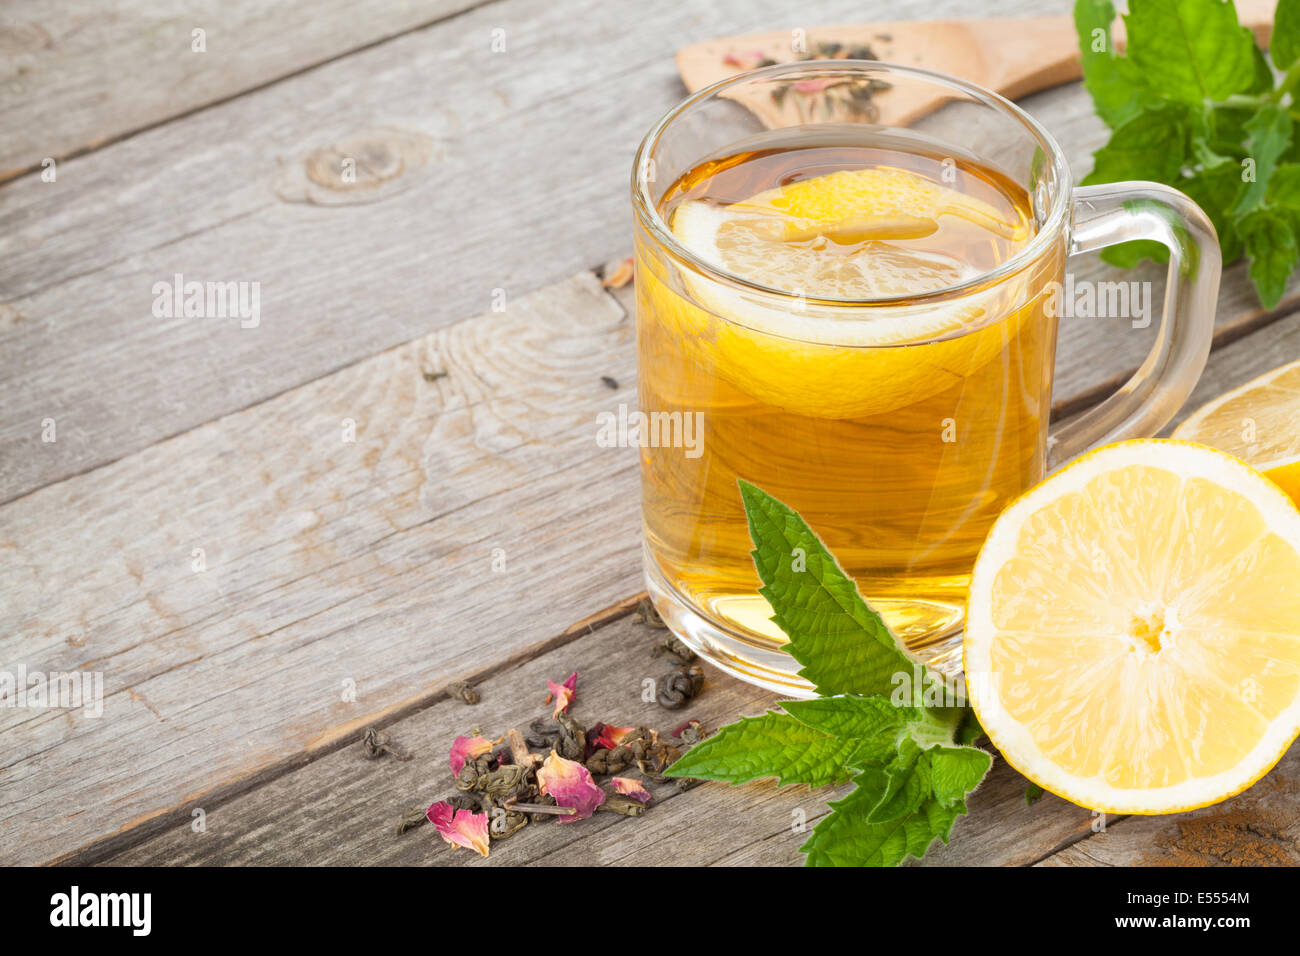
[1013, 57]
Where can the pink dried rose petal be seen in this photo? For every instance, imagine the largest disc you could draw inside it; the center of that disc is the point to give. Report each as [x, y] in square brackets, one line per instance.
[744, 61]
[570, 783]
[631, 788]
[608, 736]
[460, 827]
[467, 748]
[814, 86]
[562, 694]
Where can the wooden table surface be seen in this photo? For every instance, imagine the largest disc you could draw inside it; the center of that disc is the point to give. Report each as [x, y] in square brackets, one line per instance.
[267, 539]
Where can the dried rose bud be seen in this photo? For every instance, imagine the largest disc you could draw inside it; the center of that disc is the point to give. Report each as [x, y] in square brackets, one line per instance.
[606, 736]
[460, 827]
[467, 748]
[631, 788]
[570, 784]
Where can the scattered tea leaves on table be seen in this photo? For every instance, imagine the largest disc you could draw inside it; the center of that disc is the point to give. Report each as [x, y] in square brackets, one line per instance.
[647, 614]
[376, 743]
[464, 691]
[680, 687]
[551, 773]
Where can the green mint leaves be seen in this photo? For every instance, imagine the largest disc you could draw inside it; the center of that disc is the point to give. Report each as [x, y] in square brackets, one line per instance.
[1190, 50]
[886, 722]
[1194, 104]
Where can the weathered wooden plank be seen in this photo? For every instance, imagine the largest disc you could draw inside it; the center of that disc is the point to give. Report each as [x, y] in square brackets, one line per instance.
[77, 76]
[341, 808]
[516, 149]
[393, 563]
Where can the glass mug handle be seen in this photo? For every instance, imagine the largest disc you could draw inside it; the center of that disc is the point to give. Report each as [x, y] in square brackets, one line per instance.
[1117, 212]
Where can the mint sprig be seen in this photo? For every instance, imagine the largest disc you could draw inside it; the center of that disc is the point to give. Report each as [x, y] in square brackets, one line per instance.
[1193, 103]
[877, 720]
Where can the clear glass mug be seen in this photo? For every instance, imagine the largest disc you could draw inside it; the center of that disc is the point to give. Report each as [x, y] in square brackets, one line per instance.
[899, 452]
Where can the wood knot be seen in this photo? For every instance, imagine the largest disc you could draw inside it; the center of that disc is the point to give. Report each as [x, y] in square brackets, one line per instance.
[365, 168]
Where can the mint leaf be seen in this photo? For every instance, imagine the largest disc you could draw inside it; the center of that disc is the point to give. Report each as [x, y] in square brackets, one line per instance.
[1270, 134]
[848, 838]
[1284, 46]
[1270, 243]
[772, 745]
[1193, 104]
[1190, 50]
[1284, 188]
[845, 647]
[1263, 81]
[908, 784]
[1216, 191]
[1153, 144]
[956, 771]
[935, 725]
[851, 716]
[1033, 793]
[970, 729]
[873, 721]
[1283, 196]
[1116, 87]
[873, 753]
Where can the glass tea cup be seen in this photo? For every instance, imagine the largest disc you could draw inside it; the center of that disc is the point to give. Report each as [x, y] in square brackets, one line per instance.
[889, 379]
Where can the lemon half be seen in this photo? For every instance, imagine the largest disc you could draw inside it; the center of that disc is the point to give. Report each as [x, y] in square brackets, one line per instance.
[1133, 629]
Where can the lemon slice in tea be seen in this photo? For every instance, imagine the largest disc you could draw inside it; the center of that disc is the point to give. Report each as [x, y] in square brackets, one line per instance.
[841, 236]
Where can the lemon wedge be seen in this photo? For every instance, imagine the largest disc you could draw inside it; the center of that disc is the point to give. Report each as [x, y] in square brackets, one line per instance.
[1133, 628]
[1259, 423]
